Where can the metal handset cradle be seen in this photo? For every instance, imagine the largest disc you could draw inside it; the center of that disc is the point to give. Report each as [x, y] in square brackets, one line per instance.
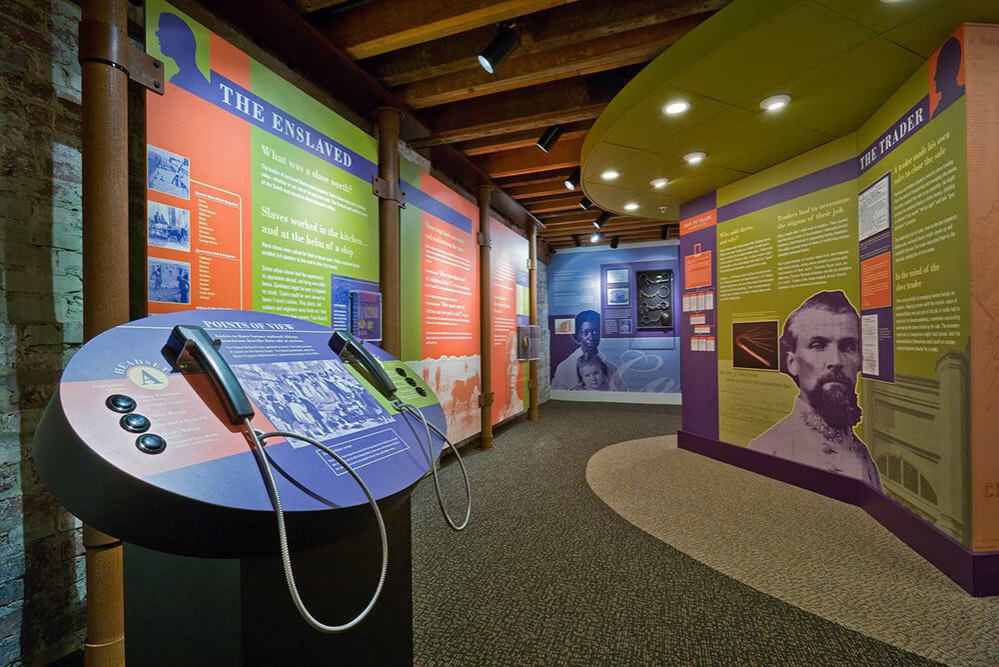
[191, 350]
[342, 342]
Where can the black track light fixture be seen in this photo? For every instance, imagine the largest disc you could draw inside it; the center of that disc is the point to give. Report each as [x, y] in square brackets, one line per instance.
[615, 240]
[602, 219]
[572, 182]
[504, 43]
[576, 240]
[549, 137]
[664, 232]
[585, 203]
[596, 237]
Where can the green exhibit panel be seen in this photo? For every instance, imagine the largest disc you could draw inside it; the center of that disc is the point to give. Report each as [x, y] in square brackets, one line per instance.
[148, 439]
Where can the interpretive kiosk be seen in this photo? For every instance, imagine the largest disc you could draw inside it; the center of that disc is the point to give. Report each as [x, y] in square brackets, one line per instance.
[231, 450]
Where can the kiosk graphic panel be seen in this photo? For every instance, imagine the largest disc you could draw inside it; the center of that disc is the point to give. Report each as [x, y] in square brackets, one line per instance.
[132, 446]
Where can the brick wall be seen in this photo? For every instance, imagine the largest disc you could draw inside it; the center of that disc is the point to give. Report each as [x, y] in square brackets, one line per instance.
[41, 563]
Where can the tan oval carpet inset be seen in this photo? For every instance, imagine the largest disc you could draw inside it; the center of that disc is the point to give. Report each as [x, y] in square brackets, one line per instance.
[826, 557]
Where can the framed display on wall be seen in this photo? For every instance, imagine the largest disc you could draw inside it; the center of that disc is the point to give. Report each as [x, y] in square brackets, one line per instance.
[654, 291]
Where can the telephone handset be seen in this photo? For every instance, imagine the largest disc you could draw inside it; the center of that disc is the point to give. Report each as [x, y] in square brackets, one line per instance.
[343, 342]
[190, 349]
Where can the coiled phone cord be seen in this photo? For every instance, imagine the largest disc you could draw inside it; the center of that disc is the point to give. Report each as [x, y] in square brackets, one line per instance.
[258, 440]
[407, 407]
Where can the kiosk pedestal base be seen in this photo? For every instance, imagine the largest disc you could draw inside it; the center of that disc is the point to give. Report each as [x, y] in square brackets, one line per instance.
[181, 610]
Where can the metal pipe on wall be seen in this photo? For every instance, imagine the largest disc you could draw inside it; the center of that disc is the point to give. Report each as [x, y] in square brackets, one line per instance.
[532, 275]
[485, 318]
[388, 120]
[105, 286]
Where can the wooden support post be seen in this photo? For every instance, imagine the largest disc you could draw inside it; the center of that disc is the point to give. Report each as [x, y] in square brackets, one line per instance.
[532, 274]
[105, 286]
[388, 119]
[485, 318]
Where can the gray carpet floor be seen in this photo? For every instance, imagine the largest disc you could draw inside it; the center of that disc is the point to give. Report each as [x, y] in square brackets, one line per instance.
[549, 574]
[825, 557]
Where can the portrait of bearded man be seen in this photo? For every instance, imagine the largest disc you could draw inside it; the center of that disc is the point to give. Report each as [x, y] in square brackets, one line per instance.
[820, 351]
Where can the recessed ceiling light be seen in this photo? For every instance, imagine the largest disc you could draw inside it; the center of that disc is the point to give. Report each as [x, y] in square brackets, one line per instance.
[694, 158]
[609, 175]
[676, 107]
[775, 102]
[631, 206]
[659, 183]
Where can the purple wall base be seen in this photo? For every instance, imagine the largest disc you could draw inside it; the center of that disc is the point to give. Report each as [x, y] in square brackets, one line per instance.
[977, 573]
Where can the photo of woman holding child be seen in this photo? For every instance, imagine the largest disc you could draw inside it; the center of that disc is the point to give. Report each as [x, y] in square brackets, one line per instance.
[586, 369]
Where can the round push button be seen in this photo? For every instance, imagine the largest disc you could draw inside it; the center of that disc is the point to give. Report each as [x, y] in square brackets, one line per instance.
[135, 423]
[421, 391]
[150, 443]
[411, 382]
[401, 371]
[120, 403]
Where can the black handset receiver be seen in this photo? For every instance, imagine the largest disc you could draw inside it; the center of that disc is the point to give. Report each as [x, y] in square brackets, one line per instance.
[342, 341]
[190, 350]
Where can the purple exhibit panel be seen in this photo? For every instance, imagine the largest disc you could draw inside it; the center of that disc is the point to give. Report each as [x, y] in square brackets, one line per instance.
[699, 366]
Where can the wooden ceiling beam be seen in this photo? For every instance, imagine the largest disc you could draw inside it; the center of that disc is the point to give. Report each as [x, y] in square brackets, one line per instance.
[523, 139]
[565, 101]
[597, 55]
[553, 204]
[564, 239]
[536, 179]
[532, 159]
[500, 127]
[307, 6]
[542, 188]
[554, 28]
[619, 222]
[554, 220]
[381, 26]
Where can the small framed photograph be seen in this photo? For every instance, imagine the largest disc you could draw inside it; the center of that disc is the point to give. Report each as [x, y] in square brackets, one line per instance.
[169, 281]
[615, 276]
[168, 172]
[565, 325]
[618, 296]
[168, 226]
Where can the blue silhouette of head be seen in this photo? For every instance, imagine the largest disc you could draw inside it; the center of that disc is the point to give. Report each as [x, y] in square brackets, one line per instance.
[177, 41]
[945, 77]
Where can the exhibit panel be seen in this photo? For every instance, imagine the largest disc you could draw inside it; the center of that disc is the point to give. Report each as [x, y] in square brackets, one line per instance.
[440, 296]
[845, 302]
[913, 204]
[510, 305]
[612, 318]
[259, 196]
[698, 315]
[777, 248]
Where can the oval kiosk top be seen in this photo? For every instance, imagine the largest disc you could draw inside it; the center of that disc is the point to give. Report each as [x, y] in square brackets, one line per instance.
[148, 454]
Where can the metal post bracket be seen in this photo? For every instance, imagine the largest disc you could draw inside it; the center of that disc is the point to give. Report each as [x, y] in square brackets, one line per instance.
[145, 70]
[380, 188]
[103, 42]
[483, 240]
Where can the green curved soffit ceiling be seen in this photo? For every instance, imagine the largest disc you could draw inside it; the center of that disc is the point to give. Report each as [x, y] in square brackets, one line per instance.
[839, 60]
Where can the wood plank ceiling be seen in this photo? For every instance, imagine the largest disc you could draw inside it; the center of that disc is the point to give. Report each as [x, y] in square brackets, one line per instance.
[573, 58]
